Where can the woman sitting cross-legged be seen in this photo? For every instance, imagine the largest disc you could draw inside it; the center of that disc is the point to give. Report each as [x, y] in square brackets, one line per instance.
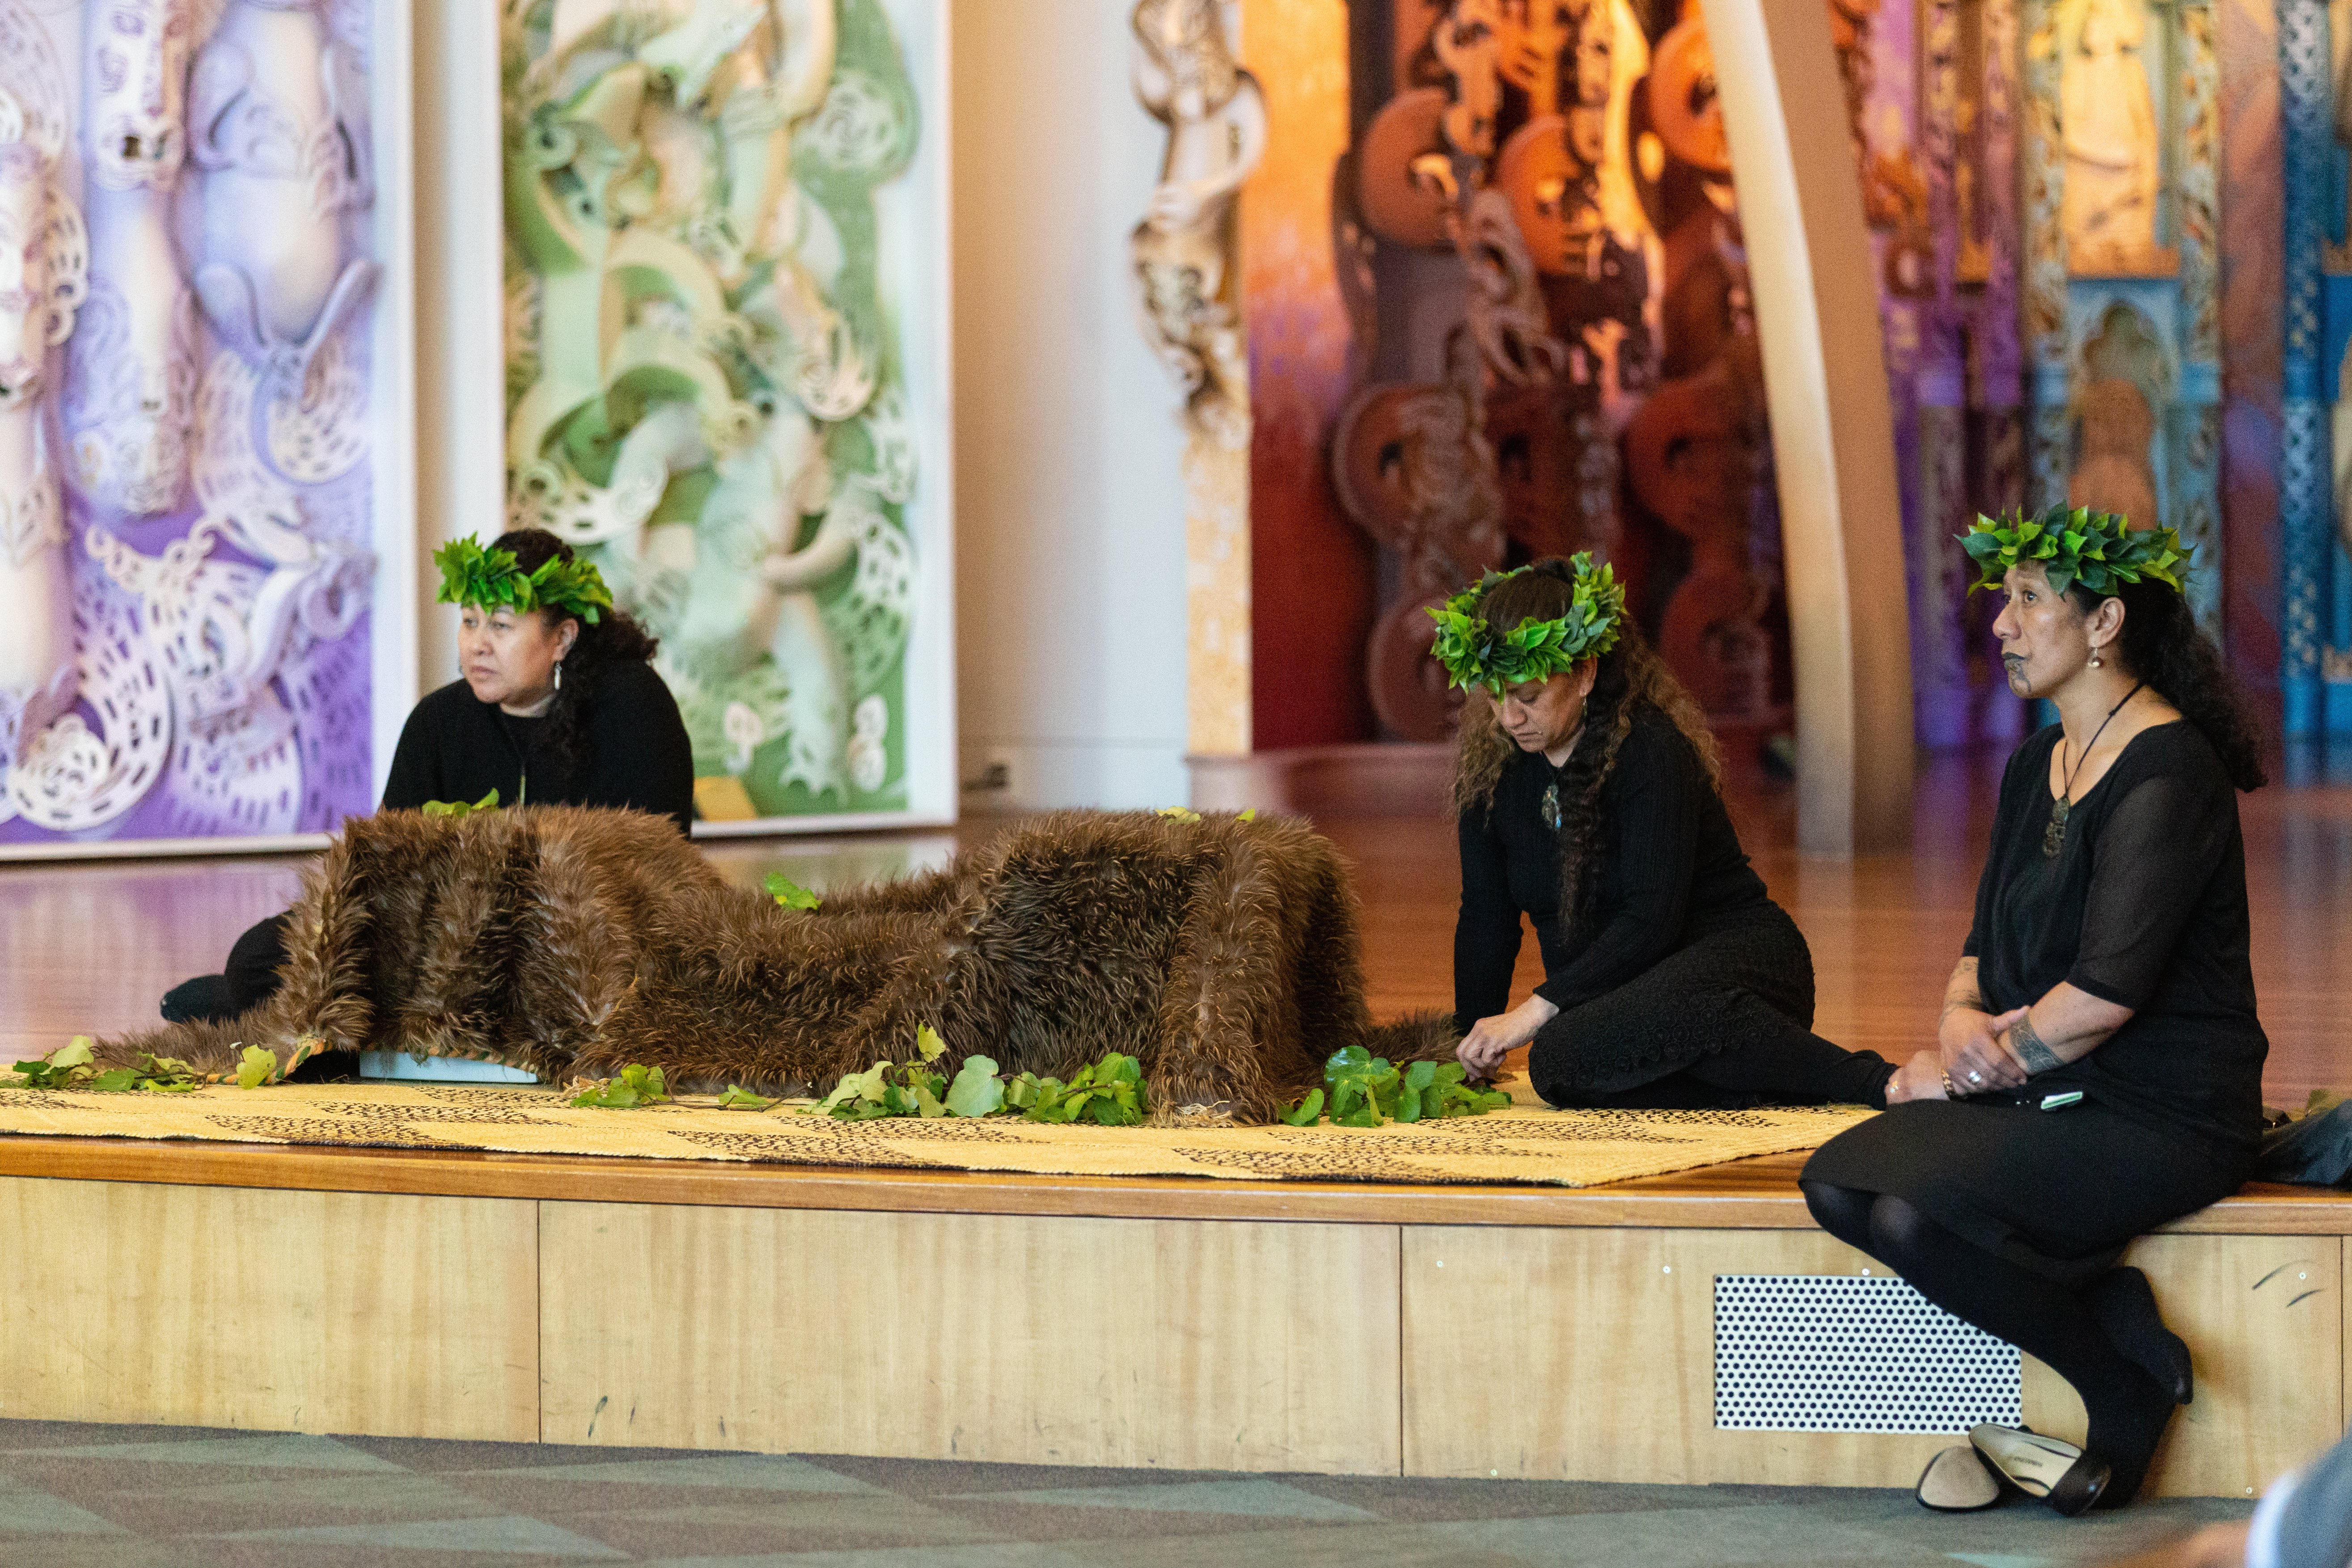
[559, 705]
[2099, 1066]
[1587, 788]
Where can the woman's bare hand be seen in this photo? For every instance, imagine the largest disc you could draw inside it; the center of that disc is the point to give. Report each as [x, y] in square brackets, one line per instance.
[1921, 1077]
[1482, 1050]
[1970, 1048]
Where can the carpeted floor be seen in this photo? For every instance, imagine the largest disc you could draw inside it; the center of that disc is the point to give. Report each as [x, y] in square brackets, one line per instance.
[145, 1497]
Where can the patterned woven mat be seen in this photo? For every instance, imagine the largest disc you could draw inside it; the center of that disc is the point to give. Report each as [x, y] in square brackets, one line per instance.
[1525, 1144]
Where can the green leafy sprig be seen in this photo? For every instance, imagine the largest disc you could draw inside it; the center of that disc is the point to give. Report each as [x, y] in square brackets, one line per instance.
[635, 1085]
[495, 580]
[70, 1066]
[2100, 550]
[892, 1088]
[460, 807]
[790, 894]
[739, 1099]
[153, 1075]
[1108, 1093]
[1366, 1090]
[1475, 653]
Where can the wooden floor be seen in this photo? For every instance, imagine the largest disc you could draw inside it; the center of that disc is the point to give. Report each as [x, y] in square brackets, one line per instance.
[88, 948]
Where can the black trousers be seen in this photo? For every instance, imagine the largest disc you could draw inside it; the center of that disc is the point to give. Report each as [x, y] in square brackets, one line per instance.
[1722, 1023]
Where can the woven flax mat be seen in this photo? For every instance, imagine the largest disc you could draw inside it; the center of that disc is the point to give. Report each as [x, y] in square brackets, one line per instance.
[1559, 1148]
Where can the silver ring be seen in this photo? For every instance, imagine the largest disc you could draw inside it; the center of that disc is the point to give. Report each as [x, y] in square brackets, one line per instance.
[1976, 1077]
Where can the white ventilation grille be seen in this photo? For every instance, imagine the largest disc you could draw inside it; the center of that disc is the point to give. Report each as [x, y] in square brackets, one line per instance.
[1832, 1352]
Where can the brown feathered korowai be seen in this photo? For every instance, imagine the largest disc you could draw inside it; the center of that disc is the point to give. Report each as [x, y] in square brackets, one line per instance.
[568, 942]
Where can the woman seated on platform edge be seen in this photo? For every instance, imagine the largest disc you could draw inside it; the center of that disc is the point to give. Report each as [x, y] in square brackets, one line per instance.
[559, 705]
[2099, 1063]
[1588, 797]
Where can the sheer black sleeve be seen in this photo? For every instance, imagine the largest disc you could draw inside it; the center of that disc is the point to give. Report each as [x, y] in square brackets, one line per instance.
[1486, 931]
[2157, 850]
[1657, 790]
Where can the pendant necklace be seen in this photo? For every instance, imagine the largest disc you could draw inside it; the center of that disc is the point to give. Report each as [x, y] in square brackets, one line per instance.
[2053, 838]
[1551, 790]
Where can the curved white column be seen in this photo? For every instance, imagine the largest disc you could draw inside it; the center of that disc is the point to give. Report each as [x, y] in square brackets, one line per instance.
[1832, 426]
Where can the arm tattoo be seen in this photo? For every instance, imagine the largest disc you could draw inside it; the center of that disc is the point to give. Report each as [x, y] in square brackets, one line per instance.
[2038, 1057]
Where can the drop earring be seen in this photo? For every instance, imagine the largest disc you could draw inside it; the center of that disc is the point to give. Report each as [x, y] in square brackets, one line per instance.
[2096, 664]
[558, 673]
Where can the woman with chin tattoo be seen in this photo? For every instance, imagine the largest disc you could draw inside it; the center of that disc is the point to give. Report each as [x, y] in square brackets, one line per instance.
[2098, 1067]
[1588, 791]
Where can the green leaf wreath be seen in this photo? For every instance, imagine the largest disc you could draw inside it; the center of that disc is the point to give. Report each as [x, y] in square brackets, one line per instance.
[495, 580]
[1475, 653]
[2100, 550]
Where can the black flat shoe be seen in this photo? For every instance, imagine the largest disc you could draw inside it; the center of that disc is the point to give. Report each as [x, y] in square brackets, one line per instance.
[1957, 1481]
[2126, 1308]
[2060, 1474]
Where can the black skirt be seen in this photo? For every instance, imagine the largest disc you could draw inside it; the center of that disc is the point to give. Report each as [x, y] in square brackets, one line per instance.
[2061, 1192]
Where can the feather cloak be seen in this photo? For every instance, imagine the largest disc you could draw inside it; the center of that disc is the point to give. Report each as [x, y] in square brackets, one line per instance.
[569, 941]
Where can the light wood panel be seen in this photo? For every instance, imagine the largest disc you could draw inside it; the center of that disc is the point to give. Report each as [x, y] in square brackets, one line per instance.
[2263, 1317]
[1194, 1345]
[1759, 1193]
[1609, 1338]
[291, 1311]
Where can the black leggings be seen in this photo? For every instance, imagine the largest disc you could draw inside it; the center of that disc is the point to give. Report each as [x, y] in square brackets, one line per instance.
[2053, 1322]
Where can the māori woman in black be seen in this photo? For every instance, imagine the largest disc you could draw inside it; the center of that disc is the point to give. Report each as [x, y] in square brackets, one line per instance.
[1588, 791]
[2098, 1067]
[558, 705]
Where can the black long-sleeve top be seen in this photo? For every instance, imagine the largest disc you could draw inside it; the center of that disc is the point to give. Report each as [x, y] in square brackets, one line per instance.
[455, 747]
[2144, 906]
[1670, 868]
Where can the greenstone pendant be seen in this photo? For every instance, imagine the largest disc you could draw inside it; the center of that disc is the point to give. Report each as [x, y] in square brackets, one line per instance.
[1551, 807]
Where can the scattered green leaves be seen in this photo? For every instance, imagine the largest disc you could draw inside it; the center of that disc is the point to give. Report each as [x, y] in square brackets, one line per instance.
[977, 1090]
[67, 1067]
[892, 1088]
[259, 1068]
[153, 1075]
[740, 1098]
[1366, 1090]
[635, 1085]
[459, 807]
[1179, 814]
[1108, 1093]
[790, 894]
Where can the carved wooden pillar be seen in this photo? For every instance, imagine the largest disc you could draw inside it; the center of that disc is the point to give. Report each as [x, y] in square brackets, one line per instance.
[2194, 451]
[2050, 444]
[1940, 581]
[1833, 429]
[2304, 460]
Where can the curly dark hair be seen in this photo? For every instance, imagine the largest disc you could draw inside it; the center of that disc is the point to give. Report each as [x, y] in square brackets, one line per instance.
[1630, 676]
[616, 638]
[2162, 645]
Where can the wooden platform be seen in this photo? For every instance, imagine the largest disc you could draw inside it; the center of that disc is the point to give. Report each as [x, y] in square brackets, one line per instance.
[1132, 1321]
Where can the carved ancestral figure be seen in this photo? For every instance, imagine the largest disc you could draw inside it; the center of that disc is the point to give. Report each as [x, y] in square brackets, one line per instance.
[2113, 474]
[2108, 124]
[1222, 953]
[1187, 77]
[44, 278]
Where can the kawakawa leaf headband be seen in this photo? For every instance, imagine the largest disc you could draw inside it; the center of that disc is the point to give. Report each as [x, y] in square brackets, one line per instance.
[1475, 653]
[495, 580]
[2100, 550]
